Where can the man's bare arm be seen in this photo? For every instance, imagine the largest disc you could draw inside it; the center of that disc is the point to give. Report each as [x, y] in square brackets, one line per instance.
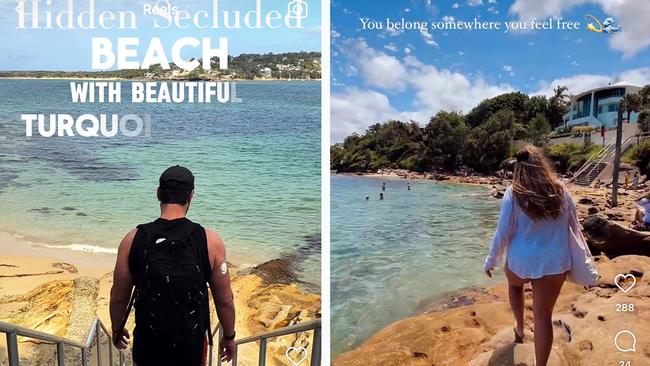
[122, 282]
[220, 283]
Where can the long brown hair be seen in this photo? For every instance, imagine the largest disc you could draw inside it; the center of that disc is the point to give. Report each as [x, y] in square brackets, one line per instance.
[535, 185]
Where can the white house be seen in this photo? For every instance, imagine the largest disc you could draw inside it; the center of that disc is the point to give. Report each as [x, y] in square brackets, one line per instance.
[598, 107]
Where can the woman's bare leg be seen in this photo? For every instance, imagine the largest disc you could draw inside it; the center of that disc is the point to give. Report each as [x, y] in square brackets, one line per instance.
[545, 293]
[516, 298]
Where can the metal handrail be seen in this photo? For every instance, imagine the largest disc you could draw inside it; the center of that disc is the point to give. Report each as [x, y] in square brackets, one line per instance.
[603, 154]
[314, 325]
[12, 332]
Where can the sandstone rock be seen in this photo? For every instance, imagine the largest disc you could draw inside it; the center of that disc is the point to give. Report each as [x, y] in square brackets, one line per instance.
[275, 271]
[614, 239]
[515, 355]
[585, 323]
[585, 201]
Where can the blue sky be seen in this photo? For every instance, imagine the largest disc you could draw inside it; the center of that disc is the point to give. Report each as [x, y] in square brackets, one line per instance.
[26, 49]
[382, 74]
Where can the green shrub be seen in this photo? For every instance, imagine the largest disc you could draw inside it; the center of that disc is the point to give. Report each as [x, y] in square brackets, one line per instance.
[578, 131]
[639, 155]
[570, 156]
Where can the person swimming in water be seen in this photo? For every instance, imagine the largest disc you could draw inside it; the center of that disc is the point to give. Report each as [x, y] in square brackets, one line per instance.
[383, 186]
[381, 196]
[408, 186]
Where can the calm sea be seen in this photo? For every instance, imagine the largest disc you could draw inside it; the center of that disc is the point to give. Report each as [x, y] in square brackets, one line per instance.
[257, 168]
[390, 258]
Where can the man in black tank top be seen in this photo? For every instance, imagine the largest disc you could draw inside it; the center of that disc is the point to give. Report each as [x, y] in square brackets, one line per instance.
[170, 262]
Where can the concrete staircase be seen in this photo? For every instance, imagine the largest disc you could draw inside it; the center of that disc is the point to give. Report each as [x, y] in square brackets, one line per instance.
[600, 165]
[590, 173]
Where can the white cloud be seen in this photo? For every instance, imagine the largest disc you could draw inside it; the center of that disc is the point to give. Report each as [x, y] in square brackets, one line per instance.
[442, 89]
[492, 1]
[434, 89]
[639, 76]
[474, 2]
[509, 69]
[428, 39]
[407, 51]
[378, 69]
[391, 47]
[393, 32]
[583, 82]
[629, 14]
[493, 10]
[448, 18]
[455, 6]
[354, 110]
[527, 9]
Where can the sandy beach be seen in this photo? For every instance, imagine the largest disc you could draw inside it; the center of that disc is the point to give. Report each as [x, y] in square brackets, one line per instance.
[474, 326]
[61, 291]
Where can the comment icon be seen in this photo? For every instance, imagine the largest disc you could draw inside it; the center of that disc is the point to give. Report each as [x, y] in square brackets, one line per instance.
[625, 341]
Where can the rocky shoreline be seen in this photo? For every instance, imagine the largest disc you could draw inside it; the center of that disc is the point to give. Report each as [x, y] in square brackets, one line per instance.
[458, 177]
[474, 326]
[479, 332]
[61, 292]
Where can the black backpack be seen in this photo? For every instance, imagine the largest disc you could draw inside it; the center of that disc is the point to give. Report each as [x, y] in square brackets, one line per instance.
[171, 297]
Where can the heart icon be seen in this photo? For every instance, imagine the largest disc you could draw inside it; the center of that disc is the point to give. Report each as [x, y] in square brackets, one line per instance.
[621, 279]
[297, 351]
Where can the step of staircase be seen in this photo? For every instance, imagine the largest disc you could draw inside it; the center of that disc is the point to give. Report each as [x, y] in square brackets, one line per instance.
[588, 175]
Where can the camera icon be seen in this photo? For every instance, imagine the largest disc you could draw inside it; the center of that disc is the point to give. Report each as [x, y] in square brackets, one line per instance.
[298, 9]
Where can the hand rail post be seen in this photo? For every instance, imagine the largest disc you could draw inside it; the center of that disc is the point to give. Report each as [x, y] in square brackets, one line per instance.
[60, 357]
[220, 333]
[84, 357]
[110, 352]
[234, 357]
[315, 348]
[122, 361]
[12, 348]
[98, 330]
[262, 359]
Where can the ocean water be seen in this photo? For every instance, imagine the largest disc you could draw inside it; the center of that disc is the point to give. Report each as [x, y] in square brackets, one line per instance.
[391, 258]
[257, 168]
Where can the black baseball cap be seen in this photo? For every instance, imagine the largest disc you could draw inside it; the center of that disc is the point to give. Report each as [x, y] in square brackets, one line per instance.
[176, 183]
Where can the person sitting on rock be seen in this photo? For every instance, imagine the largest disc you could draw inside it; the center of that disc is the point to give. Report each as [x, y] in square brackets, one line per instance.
[533, 235]
[642, 216]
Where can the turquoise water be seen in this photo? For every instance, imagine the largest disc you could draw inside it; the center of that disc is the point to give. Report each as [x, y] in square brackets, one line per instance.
[257, 168]
[391, 258]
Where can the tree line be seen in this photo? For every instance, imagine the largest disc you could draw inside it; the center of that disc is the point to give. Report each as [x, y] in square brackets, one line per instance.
[300, 65]
[481, 140]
